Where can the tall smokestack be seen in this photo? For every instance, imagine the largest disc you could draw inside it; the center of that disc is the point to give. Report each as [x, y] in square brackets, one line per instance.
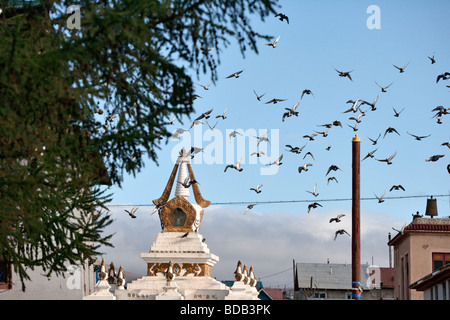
[356, 195]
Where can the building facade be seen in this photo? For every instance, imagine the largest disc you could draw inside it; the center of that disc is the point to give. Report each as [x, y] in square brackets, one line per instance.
[420, 248]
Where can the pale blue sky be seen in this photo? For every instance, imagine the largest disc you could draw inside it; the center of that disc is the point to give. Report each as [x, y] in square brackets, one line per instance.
[323, 35]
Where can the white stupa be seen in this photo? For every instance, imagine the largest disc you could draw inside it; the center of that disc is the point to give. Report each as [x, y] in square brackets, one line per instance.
[179, 262]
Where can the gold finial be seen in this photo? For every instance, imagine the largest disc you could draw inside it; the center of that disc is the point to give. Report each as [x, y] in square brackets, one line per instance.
[356, 138]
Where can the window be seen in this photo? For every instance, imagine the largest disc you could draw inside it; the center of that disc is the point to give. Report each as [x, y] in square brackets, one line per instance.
[178, 217]
[440, 259]
[320, 295]
[5, 274]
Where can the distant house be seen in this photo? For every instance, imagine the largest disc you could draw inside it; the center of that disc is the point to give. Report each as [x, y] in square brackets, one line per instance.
[334, 281]
[420, 248]
[436, 285]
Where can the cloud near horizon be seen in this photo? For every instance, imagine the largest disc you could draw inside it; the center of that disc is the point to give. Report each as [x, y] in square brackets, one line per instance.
[267, 241]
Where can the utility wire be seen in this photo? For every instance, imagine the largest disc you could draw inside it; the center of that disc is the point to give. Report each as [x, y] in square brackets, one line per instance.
[296, 201]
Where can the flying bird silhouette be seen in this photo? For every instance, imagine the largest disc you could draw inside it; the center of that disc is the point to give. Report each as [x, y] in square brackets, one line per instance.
[397, 114]
[339, 232]
[401, 69]
[313, 206]
[388, 160]
[380, 199]
[257, 188]
[333, 168]
[306, 91]
[249, 207]
[296, 150]
[397, 187]
[132, 212]
[304, 167]
[273, 44]
[234, 75]
[206, 87]
[418, 138]
[331, 178]
[374, 142]
[390, 130]
[383, 89]
[236, 167]
[434, 158]
[187, 183]
[443, 76]
[314, 192]
[337, 218]
[276, 162]
[370, 154]
[344, 74]
[282, 17]
[258, 97]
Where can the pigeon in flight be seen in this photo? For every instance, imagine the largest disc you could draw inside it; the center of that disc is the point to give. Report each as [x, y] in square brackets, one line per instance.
[383, 89]
[446, 144]
[372, 105]
[304, 167]
[234, 75]
[337, 218]
[380, 199]
[397, 187]
[314, 192]
[401, 69]
[234, 134]
[344, 74]
[397, 114]
[132, 212]
[309, 153]
[186, 183]
[306, 91]
[249, 207]
[418, 138]
[273, 44]
[313, 206]
[370, 154]
[388, 160]
[374, 142]
[257, 188]
[275, 101]
[236, 167]
[206, 87]
[204, 50]
[223, 116]
[258, 97]
[331, 178]
[339, 232]
[282, 17]
[432, 59]
[158, 207]
[213, 127]
[443, 76]
[332, 168]
[296, 150]
[390, 130]
[434, 158]
[276, 162]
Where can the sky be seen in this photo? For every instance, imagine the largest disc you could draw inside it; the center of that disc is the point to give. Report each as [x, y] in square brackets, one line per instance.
[321, 36]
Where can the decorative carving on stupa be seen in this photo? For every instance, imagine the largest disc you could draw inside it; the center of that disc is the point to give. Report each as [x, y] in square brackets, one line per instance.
[178, 214]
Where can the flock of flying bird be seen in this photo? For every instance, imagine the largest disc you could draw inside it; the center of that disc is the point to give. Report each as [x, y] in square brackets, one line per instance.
[356, 110]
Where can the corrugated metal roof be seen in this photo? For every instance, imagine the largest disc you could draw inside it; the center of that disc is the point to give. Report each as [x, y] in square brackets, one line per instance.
[329, 275]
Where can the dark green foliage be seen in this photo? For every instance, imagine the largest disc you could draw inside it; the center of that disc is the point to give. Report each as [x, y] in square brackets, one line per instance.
[131, 60]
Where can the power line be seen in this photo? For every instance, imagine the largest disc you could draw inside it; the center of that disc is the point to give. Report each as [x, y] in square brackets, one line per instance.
[275, 273]
[296, 201]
